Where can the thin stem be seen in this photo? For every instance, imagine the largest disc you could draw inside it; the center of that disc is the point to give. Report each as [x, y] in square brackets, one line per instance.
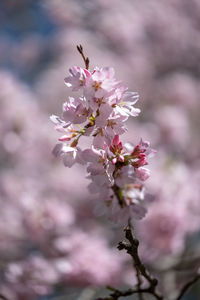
[3, 297]
[86, 59]
[187, 286]
[117, 294]
[139, 280]
[118, 194]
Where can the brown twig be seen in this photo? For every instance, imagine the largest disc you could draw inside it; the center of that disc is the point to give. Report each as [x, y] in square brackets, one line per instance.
[117, 294]
[139, 284]
[86, 59]
[3, 297]
[187, 286]
[132, 249]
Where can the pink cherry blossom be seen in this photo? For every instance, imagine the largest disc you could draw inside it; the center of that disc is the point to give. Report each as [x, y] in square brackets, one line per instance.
[77, 78]
[103, 109]
[101, 83]
[142, 173]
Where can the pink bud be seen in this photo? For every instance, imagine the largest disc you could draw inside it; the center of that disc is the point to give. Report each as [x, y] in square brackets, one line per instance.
[121, 158]
[114, 160]
[116, 140]
[64, 138]
[120, 147]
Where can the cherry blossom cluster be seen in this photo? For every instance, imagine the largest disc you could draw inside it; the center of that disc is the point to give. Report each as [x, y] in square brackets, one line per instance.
[116, 171]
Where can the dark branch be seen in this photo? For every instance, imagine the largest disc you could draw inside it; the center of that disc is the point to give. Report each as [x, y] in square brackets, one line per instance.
[132, 249]
[139, 284]
[86, 59]
[187, 286]
[117, 294]
[3, 297]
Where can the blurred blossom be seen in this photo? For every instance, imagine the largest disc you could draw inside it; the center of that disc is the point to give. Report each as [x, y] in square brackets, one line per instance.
[174, 213]
[89, 260]
[173, 126]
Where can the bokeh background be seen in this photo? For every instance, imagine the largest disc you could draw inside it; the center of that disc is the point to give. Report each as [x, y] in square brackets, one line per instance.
[54, 241]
